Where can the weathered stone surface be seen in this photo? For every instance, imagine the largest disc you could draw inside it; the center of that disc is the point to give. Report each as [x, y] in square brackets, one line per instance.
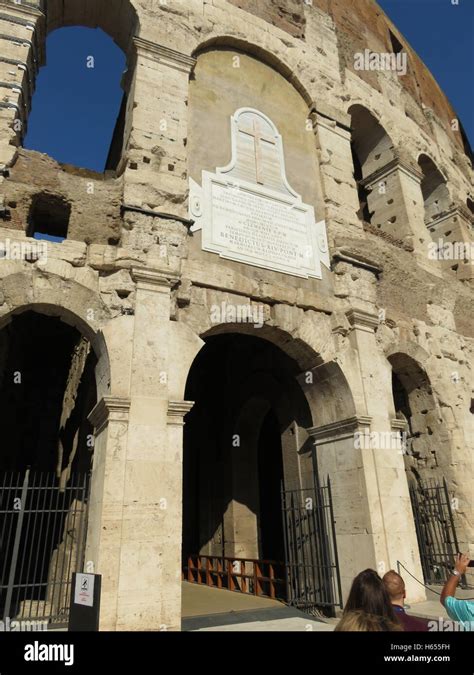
[133, 277]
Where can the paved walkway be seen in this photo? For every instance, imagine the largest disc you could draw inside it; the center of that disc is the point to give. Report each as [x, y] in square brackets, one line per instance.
[210, 609]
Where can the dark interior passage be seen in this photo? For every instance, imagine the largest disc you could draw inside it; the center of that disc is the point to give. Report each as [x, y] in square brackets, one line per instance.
[270, 472]
[47, 390]
[246, 396]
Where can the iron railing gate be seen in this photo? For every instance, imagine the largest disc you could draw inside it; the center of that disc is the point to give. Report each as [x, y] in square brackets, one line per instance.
[312, 567]
[435, 530]
[42, 542]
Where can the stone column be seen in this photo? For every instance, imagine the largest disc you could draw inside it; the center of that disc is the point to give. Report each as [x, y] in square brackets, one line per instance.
[104, 533]
[393, 527]
[150, 547]
[451, 233]
[354, 494]
[333, 138]
[396, 200]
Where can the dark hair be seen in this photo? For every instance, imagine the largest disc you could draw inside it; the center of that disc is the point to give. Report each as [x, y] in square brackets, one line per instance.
[368, 594]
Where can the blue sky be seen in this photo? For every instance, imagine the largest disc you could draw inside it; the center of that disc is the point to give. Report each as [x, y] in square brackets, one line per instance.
[442, 35]
[75, 107]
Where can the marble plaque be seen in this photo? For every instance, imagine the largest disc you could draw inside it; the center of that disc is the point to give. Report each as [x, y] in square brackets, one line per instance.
[248, 212]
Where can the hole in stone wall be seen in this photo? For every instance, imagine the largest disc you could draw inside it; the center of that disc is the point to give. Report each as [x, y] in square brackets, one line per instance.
[364, 213]
[396, 44]
[49, 217]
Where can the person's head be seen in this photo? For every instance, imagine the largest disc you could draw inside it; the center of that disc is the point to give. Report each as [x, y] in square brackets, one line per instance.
[368, 594]
[367, 623]
[395, 586]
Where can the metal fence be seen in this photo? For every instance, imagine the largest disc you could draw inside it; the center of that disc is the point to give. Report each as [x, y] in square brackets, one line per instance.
[42, 542]
[312, 566]
[435, 530]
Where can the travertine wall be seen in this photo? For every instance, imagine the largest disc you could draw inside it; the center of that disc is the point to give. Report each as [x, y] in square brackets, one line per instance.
[133, 279]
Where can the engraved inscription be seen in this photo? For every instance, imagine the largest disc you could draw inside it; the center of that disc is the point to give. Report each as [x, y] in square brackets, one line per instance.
[262, 228]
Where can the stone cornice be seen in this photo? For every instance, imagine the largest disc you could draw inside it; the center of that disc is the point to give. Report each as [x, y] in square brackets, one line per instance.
[332, 126]
[458, 210]
[177, 410]
[148, 278]
[109, 407]
[398, 424]
[325, 110]
[345, 255]
[25, 8]
[166, 55]
[338, 430]
[394, 165]
[363, 320]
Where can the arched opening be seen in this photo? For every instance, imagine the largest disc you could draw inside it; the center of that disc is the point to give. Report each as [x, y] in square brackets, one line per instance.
[47, 390]
[427, 458]
[372, 149]
[416, 407]
[244, 441]
[470, 206]
[435, 192]
[79, 107]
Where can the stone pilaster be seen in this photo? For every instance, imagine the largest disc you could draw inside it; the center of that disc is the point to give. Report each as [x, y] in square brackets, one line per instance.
[22, 40]
[396, 201]
[150, 556]
[392, 524]
[333, 138]
[157, 161]
[104, 536]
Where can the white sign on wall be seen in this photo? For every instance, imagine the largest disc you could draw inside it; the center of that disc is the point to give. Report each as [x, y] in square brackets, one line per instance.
[84, 590]
[248, 212]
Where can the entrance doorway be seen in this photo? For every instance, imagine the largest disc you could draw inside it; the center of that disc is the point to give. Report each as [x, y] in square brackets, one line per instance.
[245, 446]
[47, 390]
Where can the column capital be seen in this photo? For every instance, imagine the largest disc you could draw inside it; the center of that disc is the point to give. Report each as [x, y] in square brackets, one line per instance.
[363, 320]
[398, 424]
[338, 430]
[109, 408]
[456, 211]
[151, 279]
[165, 55]
[177, 410]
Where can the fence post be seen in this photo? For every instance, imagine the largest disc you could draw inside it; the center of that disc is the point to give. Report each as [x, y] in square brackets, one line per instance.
[16, 546]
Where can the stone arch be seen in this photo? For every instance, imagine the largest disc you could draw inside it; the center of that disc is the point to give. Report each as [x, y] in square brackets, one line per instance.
[329, 394]
[117, 18]
[373, 146]
[267, 57]
[262, 82]
[66, 299]
[372, 151]
[244, 387]
[434, 187]
[301, 351]
[415, 405]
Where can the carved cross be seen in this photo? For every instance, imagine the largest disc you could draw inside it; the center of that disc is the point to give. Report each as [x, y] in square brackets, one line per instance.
[258, 136]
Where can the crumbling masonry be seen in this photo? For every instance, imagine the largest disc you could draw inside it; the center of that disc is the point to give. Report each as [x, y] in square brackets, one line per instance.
[386, 335]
